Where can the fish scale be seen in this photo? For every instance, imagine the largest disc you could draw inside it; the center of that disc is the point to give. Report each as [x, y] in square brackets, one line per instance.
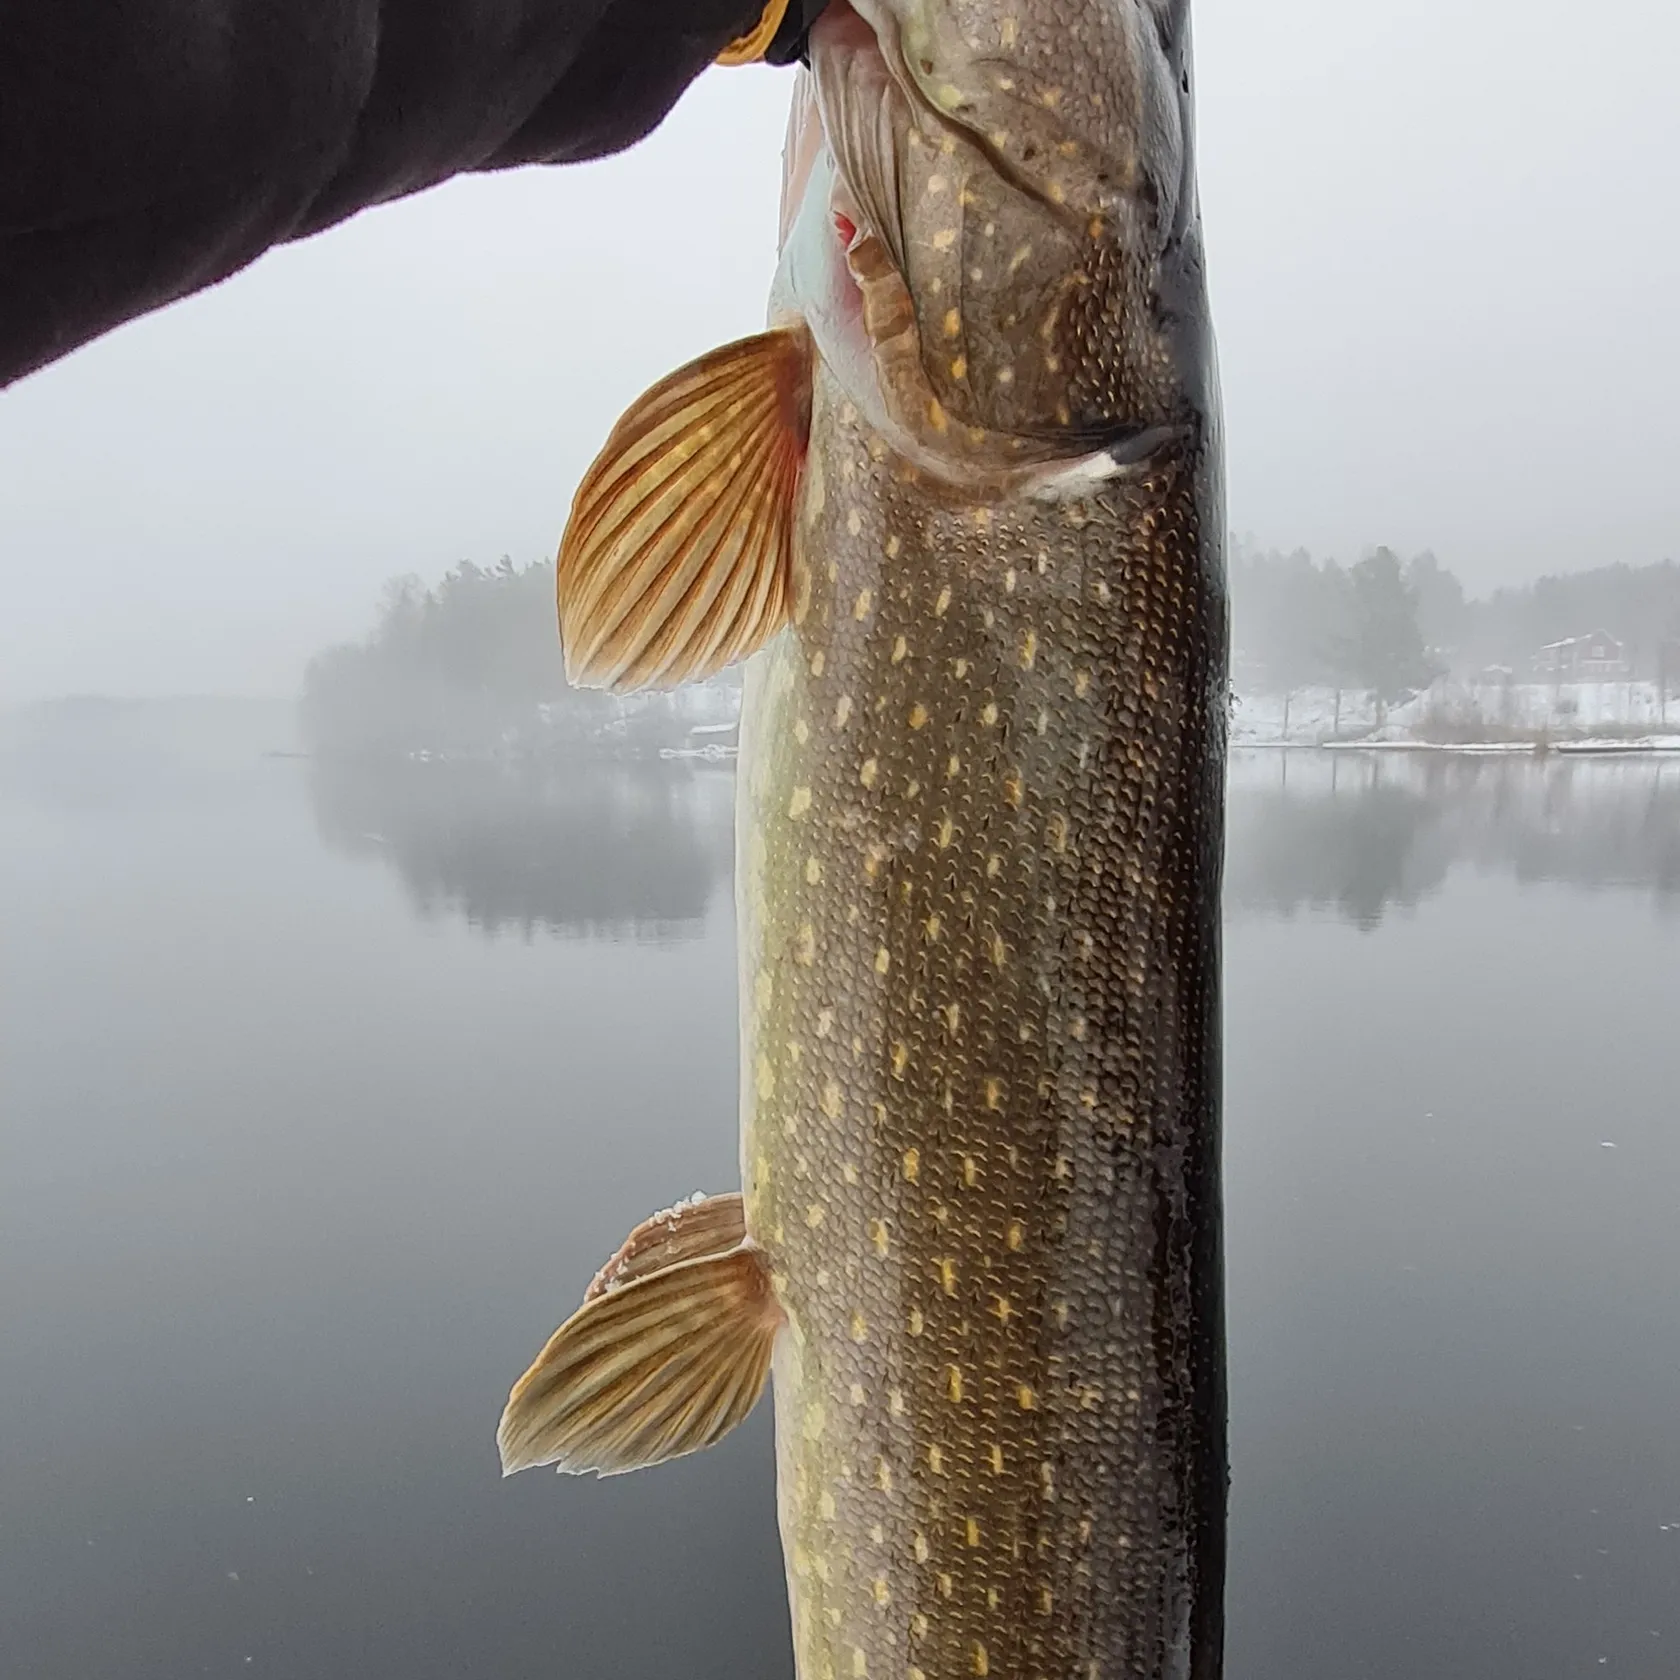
[977, 1070]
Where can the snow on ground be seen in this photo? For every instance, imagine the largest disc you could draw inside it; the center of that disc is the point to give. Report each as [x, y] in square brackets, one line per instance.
[1459, 714]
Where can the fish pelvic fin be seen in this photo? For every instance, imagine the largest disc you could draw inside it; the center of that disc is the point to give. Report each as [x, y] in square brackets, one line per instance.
[678, 557]
[708, 1225]
[669, 1352]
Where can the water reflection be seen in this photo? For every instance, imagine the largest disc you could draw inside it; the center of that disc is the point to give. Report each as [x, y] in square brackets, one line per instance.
[623, 849]
[1360, 835]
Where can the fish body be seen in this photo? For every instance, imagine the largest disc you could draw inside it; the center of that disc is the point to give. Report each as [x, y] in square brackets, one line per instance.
[978, 859]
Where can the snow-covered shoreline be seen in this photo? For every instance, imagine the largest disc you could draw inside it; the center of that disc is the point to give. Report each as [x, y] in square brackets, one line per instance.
[1579, 718]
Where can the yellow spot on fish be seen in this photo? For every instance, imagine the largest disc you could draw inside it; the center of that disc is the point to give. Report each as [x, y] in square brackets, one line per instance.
[1058, 833]
[943, 604]
[878, 1236]
[825, 1507]
[900, 649]
[946, 1584]
[1056, 192]
[1021, 254]
[883, 960]
[920, 1546]
[1006, 375]
[994, 1093]
[861, 606]
[854, 522]
[882, 1594]
[971, 1532]
[825, 1022]
[982, 519]
[947, 1275]
[842, 711]
[936, 1459]
[831, 1099]
[994, 865]
[945, 833]
[857, 1394]
[883, 1475]
[953, 1016]
[860, 1664]
[1010, 579]
[1046, 1601]
[900, 1059]
[871, 769]
[912, 1165]
[860, 1328]
[817, 663]
[815, 1214]
[918, 715]
[893, 546]
[953, 322]
[989, 713]
[915, 1323]
[805, 949]
[937, 417]
[1060, 1313]
[1014, 791]
[1000, 952]
[813, 871]
[800, 803]
[1025, 1398]
[954, 1384]
[959, 367]
[1029, 650]
[1017, 1234]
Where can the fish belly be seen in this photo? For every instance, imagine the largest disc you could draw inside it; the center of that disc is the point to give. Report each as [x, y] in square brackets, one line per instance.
[980, 839]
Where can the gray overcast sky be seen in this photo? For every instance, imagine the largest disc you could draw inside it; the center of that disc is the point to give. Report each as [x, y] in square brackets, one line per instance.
[1446, 276]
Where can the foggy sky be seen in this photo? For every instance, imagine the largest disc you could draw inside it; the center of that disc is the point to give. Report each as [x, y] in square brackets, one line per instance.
[1446, 275]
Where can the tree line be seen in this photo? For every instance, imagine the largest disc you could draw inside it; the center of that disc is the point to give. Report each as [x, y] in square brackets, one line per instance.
[1390, 626]
[470, 661]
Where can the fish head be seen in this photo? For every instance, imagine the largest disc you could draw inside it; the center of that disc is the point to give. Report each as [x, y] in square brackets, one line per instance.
[989, 212]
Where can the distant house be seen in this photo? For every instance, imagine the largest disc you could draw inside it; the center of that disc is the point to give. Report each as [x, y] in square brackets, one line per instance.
[1596, 657]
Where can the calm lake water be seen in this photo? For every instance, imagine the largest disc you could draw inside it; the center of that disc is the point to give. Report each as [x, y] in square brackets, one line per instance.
[323, 1094]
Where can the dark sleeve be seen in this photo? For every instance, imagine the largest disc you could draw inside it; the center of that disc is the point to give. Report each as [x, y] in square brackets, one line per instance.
[149, 148]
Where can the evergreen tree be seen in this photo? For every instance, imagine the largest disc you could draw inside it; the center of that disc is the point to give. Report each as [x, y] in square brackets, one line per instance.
[1386, 652]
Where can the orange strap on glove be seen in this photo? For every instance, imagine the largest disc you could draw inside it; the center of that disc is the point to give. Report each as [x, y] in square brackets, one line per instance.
[751, 47]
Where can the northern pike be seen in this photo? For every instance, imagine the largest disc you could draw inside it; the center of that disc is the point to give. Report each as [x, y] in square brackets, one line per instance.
[963, 506]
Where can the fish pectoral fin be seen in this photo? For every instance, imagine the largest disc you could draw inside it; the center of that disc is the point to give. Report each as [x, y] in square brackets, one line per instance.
[677, 559]
[647, 1370]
